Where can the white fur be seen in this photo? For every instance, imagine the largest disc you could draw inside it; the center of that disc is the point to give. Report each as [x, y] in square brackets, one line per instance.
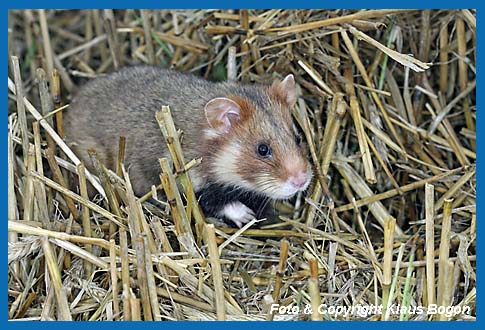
[238, 213]
[286, 189]
[226, 166]
[210, 133]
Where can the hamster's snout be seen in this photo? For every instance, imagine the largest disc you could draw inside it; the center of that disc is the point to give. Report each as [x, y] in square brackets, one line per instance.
[300, 180]
[297, 180]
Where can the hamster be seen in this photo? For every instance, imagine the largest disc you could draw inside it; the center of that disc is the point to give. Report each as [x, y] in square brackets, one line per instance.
[250, 149]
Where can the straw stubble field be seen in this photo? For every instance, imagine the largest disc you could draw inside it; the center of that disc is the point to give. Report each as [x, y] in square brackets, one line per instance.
[386, 105]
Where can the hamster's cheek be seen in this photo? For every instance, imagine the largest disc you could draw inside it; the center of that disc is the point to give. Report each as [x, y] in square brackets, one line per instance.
[227, 164]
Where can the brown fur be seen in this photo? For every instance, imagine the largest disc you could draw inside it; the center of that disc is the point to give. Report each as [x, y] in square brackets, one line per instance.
[247, 108]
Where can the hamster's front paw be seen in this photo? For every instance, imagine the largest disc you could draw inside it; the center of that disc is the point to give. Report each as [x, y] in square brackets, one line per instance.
[238, 213]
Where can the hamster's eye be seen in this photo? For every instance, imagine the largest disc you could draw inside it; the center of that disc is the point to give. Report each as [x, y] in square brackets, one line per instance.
[264, 150]
[297, 139]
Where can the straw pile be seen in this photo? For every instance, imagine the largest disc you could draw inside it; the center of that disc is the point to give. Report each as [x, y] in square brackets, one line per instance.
[387, 107]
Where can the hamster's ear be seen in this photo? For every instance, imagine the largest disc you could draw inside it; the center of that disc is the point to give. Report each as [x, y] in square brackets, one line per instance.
[222, 113]
[286, 90]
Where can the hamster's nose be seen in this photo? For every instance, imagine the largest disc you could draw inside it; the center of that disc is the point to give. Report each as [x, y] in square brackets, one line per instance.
[298, 180]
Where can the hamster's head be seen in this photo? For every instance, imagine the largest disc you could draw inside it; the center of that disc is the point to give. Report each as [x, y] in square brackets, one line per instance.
[252, 142]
